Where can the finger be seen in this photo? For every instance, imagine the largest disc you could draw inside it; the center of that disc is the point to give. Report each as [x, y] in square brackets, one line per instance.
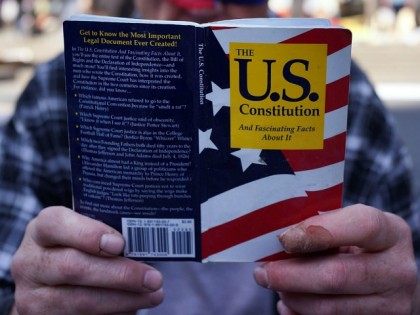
[80, 300]
[358, 225]
[284, 310]
[63, 266]
[309, 304]
[59, 226]
[338, 274]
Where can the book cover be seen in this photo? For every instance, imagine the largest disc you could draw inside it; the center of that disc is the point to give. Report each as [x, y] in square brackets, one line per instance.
[205, 142]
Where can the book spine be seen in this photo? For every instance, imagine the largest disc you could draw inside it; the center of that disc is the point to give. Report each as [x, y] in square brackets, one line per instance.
[199, 101]
[73, 112]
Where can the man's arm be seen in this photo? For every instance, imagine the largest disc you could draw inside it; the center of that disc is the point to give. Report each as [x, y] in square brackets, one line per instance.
[372, 271]
[53, 269]
[68, 264]
[369, 265]
[34, 167]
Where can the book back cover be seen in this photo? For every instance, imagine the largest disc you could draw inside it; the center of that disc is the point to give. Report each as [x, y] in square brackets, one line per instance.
[132, 132]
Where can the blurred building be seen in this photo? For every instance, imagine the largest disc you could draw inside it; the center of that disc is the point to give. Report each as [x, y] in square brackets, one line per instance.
[369, 10]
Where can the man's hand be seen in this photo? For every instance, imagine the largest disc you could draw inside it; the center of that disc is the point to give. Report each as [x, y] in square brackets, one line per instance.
[68, 264]
[373, 270]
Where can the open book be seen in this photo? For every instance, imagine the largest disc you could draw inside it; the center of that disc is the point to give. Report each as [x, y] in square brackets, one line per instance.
[205, 142]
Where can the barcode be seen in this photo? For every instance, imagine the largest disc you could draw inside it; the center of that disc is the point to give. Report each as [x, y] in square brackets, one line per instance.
[159, 237]
[181, 242]
[148, 240]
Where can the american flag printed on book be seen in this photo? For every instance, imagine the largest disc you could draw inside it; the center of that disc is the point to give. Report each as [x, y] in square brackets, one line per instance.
[249, 196]
[206, 142]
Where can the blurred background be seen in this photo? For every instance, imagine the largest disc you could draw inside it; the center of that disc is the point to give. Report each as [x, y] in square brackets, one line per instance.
[386, 45]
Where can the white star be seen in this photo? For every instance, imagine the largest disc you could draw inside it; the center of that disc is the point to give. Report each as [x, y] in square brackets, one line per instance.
[204, 140]
[248, 157]
[219, 97]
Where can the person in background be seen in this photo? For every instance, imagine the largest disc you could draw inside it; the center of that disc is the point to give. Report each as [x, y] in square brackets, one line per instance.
[360, 259]
[397, 5]
[113, 8]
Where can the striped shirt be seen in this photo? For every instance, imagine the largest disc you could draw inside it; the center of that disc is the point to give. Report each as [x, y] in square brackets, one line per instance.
[35, 173]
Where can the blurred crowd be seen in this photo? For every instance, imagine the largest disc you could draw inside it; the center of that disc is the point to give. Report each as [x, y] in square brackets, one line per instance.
[376, 13]
[38, 16]
[34, 16]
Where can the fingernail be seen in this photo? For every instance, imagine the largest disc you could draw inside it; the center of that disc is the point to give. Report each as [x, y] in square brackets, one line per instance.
[152, 280]
[156, 297]
[112, 244]
[306, 240]
[261, 277]
[293, 239]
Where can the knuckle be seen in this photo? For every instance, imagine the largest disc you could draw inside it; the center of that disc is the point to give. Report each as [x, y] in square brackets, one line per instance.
[83, 303]
[18, 266]
[322, 306]
[30, 303]
[51, 215]
[71, 266]
[30, 232]
[373, 222]
[21, 302]
[43, 222]
[31, 226]
[24, 265]
[403, 306]
[405, 231]
[23, 258]
[401, 226]
[336, 277]
[408, 276]
[91, 233]
[397, 304]
[327, 307]
[24, 308]
[126, 274]
[47, 214]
